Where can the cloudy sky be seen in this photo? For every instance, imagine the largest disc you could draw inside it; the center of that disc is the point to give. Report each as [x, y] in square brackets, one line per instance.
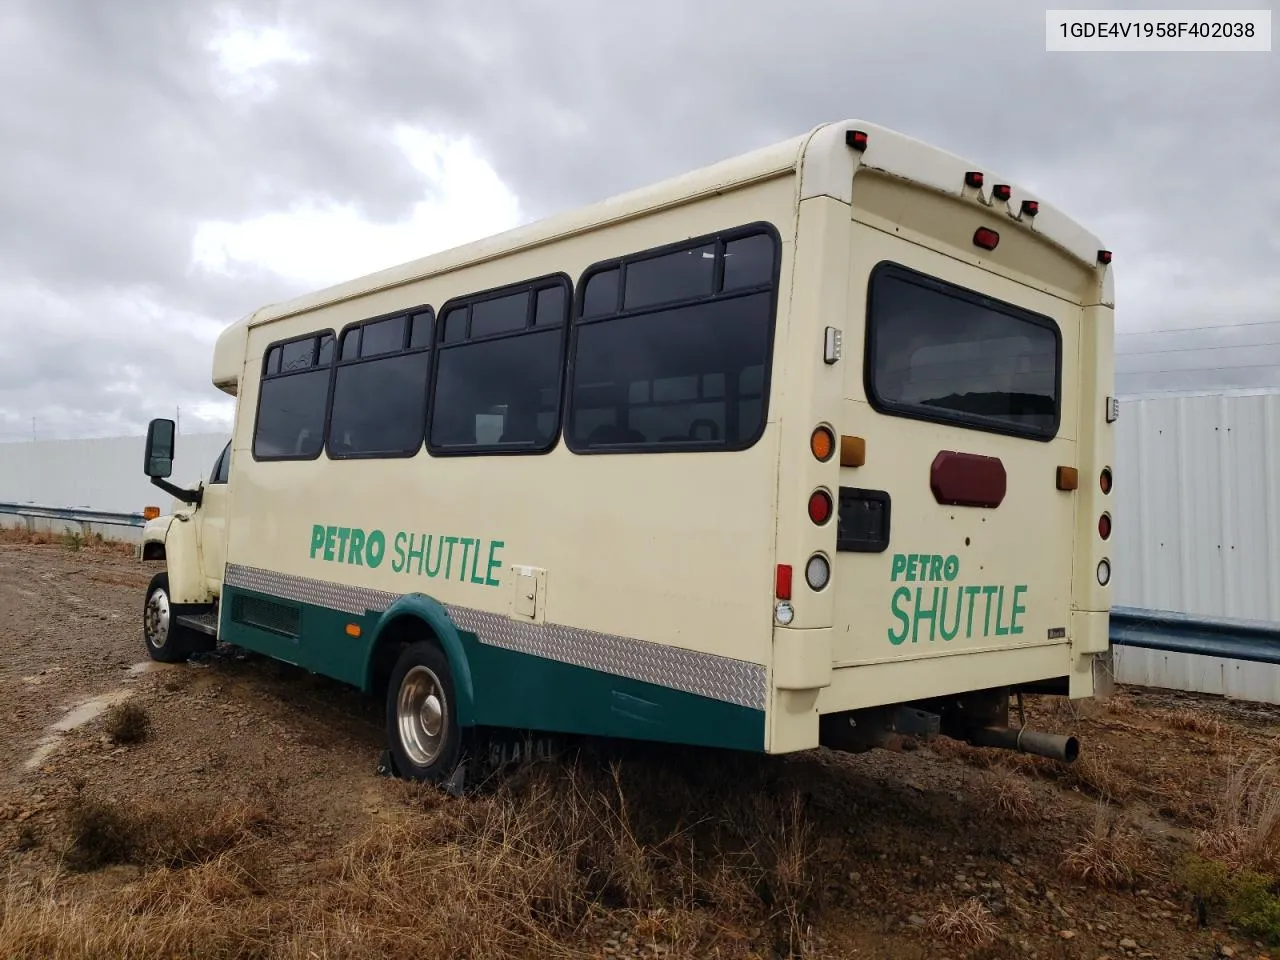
[166, 168]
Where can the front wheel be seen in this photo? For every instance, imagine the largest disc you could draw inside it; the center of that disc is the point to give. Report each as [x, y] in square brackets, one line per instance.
[422, 717]
[166, 641]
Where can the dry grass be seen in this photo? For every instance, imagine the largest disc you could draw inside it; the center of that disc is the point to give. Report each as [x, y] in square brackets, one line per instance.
[69, 539]
[1246, 830]
[104, 831]
[1012, 798]
[128, 722]
[1109, 855]
[696, 865]
[969, 926]
[1194, 721]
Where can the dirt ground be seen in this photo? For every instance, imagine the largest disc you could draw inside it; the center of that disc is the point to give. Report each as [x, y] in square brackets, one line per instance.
[237, 813]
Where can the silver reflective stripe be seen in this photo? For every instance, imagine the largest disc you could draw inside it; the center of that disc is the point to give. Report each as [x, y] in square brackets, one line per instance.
[704, 674]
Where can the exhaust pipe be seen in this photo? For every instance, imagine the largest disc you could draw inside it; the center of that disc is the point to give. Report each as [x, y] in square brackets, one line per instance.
[1051, 745]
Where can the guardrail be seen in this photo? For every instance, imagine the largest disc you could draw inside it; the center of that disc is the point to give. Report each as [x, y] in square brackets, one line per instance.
[1254, 641]
[73, 514]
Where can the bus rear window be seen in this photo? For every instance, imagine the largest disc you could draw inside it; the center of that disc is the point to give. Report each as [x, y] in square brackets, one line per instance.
[939, 352]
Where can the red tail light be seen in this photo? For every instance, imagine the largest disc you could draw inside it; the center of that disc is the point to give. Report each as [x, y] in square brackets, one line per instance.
[820, 507]
[986, 239]
[1104, 526]
[1104, 480]
[782, 582]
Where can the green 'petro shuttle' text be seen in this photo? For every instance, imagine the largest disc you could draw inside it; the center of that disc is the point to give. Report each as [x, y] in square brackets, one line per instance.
[948, 609]
[465, 559]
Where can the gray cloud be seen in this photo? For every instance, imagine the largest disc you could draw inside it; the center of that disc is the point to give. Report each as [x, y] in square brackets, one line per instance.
[122, 139]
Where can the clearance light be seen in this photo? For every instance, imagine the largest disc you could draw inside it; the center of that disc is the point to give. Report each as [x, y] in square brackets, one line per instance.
[1104, 526]
[1104, 480]
[150, 513]
[1104, 257]
[820, 507]
[782, 582]
[1030, 208]
[986, 239]
[353, 629]
[822, 443]
[1002, 192]
[856, 139]
[973, 178]
[817, 572]
[1068, 478]
[853, 451]
[1104, 572]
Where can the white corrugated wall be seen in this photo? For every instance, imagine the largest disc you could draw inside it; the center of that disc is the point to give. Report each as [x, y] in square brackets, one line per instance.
[1197, 527]
[99, 474]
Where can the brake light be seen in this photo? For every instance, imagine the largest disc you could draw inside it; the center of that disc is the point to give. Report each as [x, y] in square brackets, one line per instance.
[782, 582]
[986, 239]
[822, 443]
[820, 507]
[1104, 526]
[1002, 192]
[1104, 480]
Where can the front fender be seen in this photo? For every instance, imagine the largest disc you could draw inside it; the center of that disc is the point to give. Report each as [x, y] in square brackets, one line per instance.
[182, 561]
[432, 613]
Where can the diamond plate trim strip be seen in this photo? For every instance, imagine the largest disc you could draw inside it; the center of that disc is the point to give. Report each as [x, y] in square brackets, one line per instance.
[703, 674]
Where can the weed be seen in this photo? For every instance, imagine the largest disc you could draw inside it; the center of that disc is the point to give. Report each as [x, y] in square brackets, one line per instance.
[1246, 828]
[128, 723]
[969, 926]
[1109, 855]
[1246, 898]
[72, 540]
[1194, 721]
[1012, 797]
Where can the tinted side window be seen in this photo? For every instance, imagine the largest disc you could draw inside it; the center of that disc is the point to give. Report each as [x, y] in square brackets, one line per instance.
[498, 390]
[684, 363]
[291, 403]
[380, 398]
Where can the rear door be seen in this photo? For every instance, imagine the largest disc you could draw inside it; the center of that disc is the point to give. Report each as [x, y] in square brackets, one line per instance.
[964, 391]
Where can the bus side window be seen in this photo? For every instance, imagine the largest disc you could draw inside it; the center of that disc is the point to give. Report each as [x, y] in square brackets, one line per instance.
[380, 387]
[680, 363]
[293, 395]
[497, 383]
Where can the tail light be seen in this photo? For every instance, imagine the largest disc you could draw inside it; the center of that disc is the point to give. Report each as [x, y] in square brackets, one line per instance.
[820, 507]
[822, 443]
[1104, 526]
[782, 582]
[1104, 480]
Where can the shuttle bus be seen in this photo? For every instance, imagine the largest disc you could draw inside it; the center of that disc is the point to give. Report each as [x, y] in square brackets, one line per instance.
[811, 447]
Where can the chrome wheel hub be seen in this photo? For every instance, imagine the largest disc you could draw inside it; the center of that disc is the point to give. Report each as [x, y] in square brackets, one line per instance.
[155, 619]
[422, 715]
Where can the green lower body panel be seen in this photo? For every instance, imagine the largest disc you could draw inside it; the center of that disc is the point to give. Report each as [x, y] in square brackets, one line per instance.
[512, 689]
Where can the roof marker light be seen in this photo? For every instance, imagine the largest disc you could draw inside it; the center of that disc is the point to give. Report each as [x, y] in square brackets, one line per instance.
[1002, 192]
[1104, 257]
[986, 239]
[855, 139]
[973, 178]
[1030, 208]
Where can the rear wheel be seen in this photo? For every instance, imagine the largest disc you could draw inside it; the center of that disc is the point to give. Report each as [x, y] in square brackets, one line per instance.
[165, 640]
[422, 718]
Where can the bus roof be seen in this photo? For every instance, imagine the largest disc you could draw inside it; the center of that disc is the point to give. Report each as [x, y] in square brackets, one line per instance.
[826, 164]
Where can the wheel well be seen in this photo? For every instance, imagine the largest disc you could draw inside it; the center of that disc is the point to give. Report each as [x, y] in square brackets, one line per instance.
[154, 550]
[396, 635]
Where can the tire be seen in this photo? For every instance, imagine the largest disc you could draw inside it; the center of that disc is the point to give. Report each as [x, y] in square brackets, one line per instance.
[164, 639]
[423, 735]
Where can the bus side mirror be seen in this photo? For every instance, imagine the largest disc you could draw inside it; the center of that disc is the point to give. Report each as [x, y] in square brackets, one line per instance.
[159, 453]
